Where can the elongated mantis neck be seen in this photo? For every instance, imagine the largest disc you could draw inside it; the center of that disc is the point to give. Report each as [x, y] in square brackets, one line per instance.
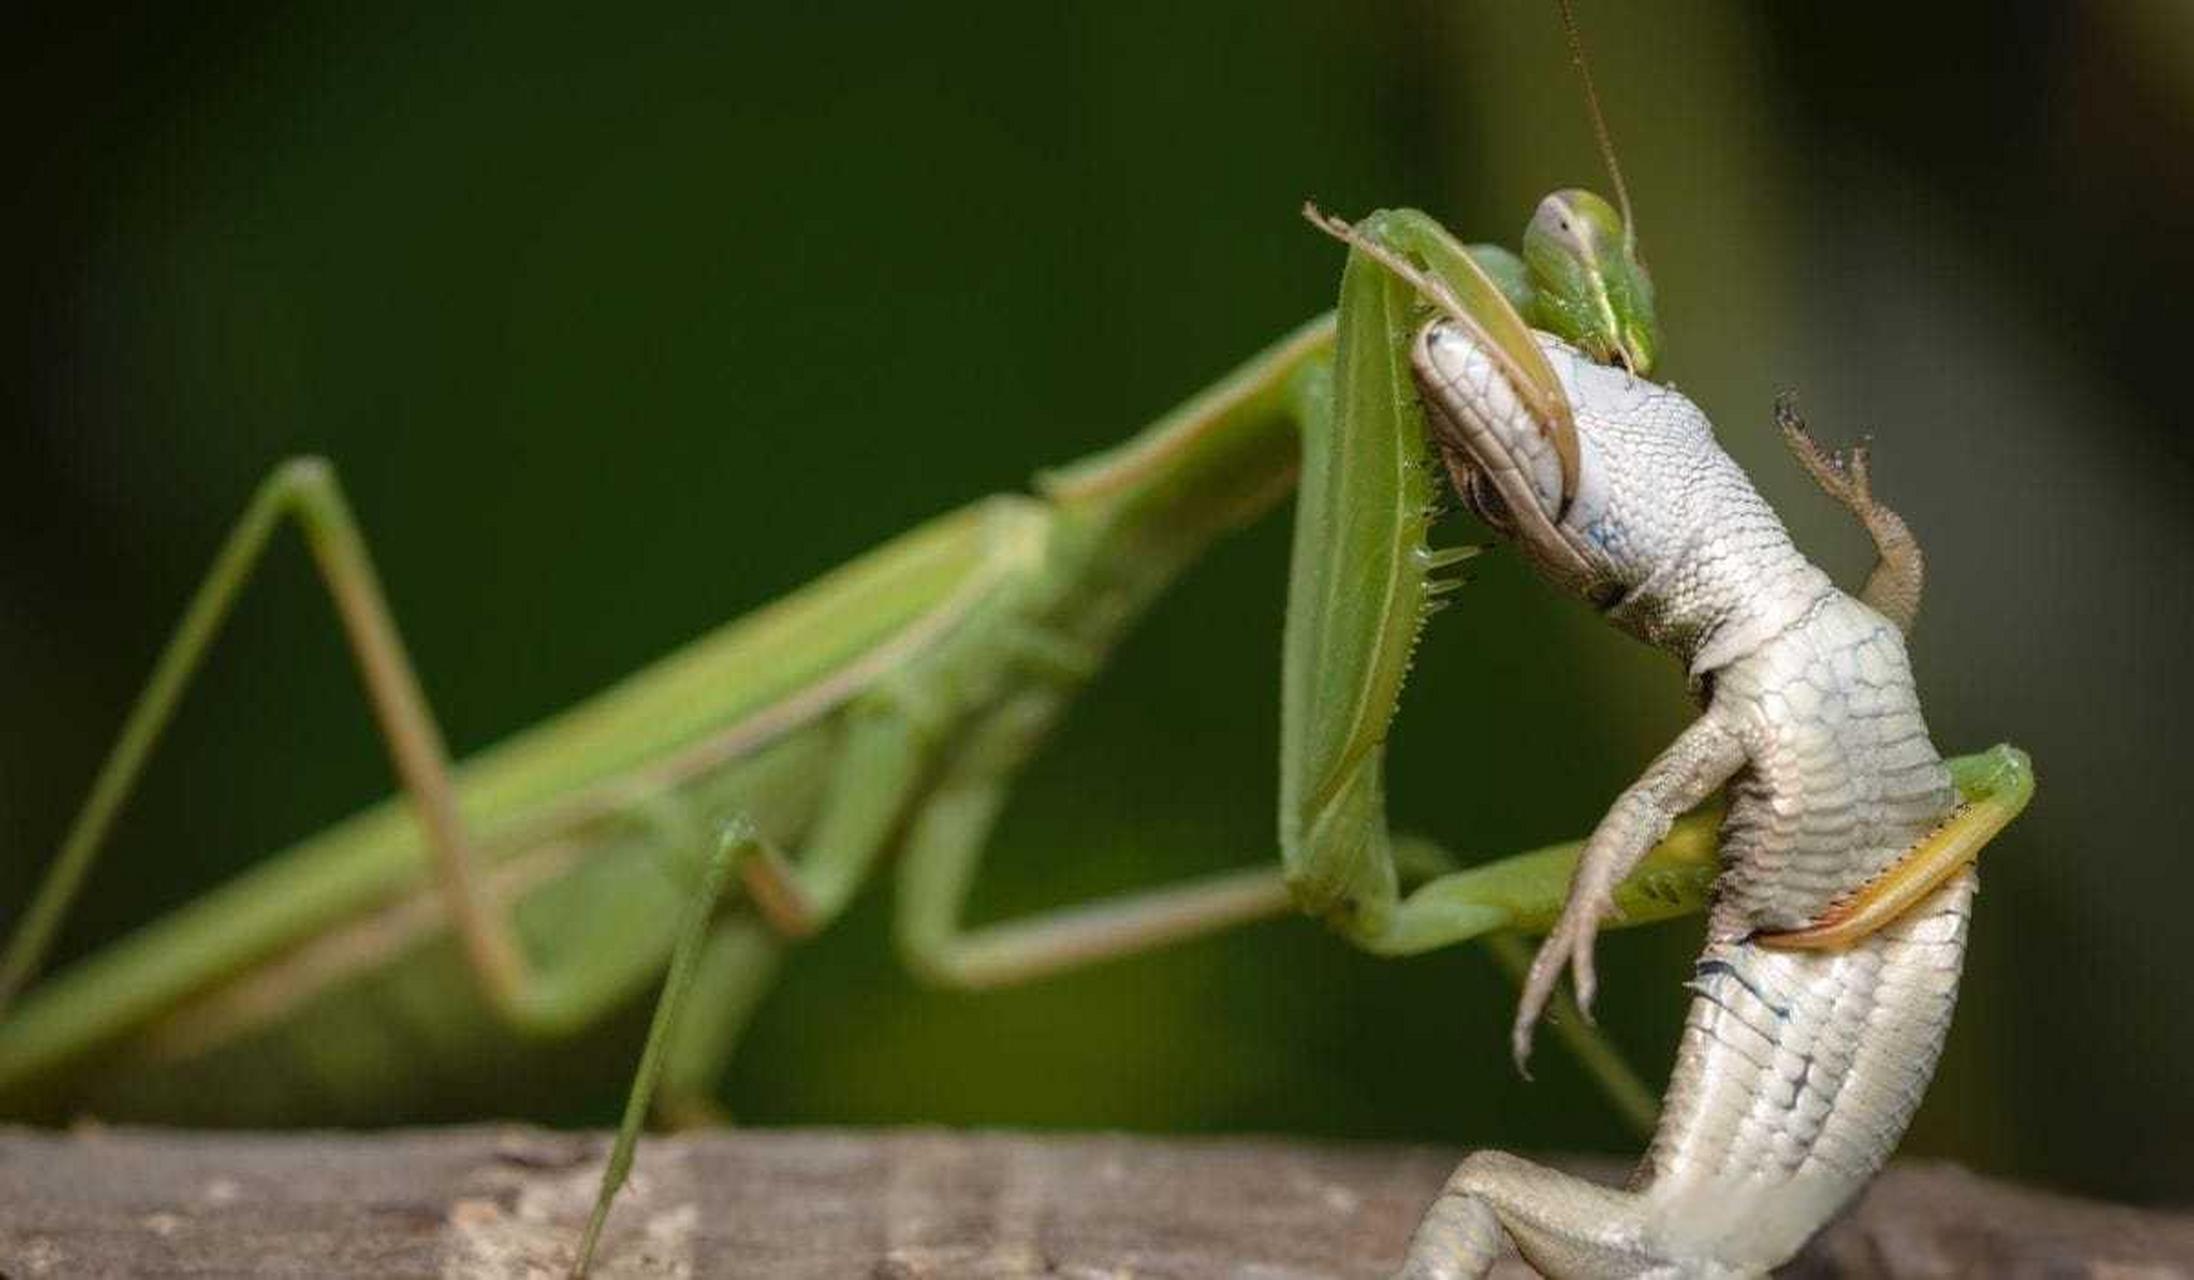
[1220, 460]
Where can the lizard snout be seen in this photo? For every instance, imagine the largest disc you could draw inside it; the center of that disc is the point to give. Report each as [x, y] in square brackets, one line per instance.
[1504, 466]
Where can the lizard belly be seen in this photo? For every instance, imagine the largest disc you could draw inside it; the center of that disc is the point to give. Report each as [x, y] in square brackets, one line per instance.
[1795, 1077]
[1842, 779]
[1794, 1080]
[1798, 1071]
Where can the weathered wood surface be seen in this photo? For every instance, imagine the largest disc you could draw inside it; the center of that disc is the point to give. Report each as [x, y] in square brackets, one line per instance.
[895, 1205]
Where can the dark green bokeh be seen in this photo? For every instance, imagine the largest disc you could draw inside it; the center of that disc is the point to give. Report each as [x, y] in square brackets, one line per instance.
[617, 327]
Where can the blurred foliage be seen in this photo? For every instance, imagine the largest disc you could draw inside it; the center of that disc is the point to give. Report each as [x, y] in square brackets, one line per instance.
[618, 325]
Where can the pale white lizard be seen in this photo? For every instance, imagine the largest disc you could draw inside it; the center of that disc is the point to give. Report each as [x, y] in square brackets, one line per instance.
[1798, 1069]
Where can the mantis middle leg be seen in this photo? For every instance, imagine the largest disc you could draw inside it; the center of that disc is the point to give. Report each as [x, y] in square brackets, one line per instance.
[878, 770]
[1522, 892]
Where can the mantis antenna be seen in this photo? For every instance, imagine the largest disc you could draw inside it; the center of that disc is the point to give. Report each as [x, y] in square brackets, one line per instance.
[1599, 124]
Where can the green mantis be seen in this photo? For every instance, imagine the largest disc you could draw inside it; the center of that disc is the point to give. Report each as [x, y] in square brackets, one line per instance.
[890, 704]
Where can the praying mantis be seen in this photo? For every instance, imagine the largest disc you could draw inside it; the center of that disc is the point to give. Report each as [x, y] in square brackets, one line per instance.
[769, 768]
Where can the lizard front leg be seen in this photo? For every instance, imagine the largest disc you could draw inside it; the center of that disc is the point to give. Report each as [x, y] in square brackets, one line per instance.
[1894, 588]
[1692, 768]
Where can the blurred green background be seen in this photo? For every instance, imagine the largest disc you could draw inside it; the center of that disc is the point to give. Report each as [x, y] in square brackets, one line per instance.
[620, 324]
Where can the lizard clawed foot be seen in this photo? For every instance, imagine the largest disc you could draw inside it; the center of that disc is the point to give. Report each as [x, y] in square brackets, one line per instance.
[1895, 586]
[1842, 473]
[1570, 944]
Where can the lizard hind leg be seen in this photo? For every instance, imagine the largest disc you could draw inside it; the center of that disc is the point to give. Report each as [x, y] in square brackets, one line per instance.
[1563, 1225]
[1796, 1075]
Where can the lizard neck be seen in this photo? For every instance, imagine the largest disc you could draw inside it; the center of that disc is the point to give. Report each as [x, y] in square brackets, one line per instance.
[1737, 585]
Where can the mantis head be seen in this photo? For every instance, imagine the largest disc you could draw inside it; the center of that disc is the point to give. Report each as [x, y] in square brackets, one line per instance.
[1588, 286]
[1580, 279]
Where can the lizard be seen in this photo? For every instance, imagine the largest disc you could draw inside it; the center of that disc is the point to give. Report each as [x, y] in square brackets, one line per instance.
[1798, 1069]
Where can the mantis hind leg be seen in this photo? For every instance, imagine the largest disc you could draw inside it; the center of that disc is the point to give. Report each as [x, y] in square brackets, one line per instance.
[882, 754]
[305, 490]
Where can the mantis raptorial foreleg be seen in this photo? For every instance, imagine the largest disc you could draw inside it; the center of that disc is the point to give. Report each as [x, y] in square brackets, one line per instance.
[1362, 582]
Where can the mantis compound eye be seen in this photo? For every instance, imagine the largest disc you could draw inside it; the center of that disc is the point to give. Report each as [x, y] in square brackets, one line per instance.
[1591, 288]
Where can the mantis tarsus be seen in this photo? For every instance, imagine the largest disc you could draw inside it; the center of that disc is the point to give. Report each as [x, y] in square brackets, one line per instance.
[904, 690]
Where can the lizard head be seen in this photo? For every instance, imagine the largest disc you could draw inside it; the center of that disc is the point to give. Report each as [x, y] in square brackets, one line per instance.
[1644, 452]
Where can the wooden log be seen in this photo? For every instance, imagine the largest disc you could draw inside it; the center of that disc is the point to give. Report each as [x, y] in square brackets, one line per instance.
[894, 1205]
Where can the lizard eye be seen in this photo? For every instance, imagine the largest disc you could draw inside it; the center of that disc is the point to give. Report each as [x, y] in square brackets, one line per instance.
[1484, 501]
